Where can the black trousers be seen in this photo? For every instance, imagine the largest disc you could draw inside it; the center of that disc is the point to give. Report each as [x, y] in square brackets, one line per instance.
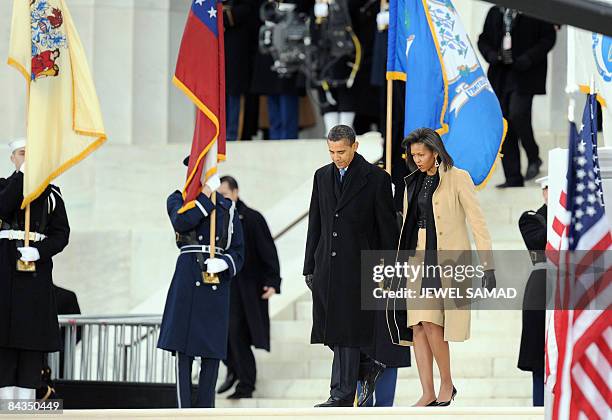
[21, 368]
[206, 384]
[345, 372]
[241, 360]
[516, 108]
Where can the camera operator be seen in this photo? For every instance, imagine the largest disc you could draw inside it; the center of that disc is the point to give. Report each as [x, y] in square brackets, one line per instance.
[282, 92]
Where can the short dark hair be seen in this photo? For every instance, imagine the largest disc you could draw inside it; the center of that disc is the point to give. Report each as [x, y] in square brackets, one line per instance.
[231, 181]
[432, 140]
[341, 132]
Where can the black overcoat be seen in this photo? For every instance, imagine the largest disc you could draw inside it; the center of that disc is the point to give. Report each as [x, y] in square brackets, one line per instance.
[532, 39]
[261, 268]
[531, 355]
[28, 313]
[240, 19]
[362, 218]
[196, 315]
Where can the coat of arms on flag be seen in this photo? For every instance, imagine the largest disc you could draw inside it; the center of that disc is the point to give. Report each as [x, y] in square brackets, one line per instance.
[64, 122]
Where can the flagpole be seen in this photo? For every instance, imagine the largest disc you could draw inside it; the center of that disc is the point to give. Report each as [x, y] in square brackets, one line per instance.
[212, 278]
[389, 134]
[26, 266]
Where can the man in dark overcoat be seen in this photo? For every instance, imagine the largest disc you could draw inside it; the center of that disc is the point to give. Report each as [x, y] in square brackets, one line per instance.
[196, 317]
[28, 314]
[256, 283]
[351, 209]
[516, 46]
[240, 19]
[532, 225]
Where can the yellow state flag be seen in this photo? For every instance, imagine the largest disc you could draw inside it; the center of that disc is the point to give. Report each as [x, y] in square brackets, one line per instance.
[64, 122]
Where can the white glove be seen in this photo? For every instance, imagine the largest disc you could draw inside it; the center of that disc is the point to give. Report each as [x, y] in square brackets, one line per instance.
[22, 168]
[321, 10]
[213, 182]
[382, 20]
[215, 265]
[29, 254]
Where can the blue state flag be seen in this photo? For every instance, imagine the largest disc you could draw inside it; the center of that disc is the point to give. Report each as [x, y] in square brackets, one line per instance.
[446, 87]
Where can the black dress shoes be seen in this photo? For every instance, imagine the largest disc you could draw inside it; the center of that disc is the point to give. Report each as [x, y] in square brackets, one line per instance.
[229, 382]
[533, 170]
[510, 185]
[336, 402]
[238, 395]
[369, 382]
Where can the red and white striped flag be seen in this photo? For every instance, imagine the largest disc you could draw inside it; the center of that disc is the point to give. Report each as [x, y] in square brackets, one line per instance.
[579, 334]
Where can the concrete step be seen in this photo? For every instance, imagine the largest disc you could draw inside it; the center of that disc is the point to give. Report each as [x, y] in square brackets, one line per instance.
[400, 401]
[316, 389]
[463, 367]
[455, 412]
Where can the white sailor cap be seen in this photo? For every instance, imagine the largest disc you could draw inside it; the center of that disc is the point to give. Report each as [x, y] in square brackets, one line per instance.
[17, 144]
[543, 182]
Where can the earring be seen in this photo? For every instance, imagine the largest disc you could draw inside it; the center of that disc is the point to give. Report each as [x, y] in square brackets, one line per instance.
[437, 163]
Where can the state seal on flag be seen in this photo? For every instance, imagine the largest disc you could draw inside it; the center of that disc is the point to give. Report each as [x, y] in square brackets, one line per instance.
[48, 38]
[602, 54]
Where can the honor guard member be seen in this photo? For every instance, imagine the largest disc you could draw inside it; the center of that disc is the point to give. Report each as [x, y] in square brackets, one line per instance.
[532, 225]
[196, 317]
[28, 313]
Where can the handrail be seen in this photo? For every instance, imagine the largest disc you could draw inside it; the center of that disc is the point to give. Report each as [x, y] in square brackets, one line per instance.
[291, 225]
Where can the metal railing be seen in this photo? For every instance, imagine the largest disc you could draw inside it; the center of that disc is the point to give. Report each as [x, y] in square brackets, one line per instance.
[112, 348]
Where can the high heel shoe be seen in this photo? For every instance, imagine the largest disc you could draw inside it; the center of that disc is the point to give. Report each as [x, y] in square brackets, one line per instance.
[434, 403]
[447, 403]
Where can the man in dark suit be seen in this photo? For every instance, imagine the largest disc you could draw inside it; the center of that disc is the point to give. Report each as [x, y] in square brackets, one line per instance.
[239, 21]
[532, 225]
[516, 47]
[258, 281]
[351, 209]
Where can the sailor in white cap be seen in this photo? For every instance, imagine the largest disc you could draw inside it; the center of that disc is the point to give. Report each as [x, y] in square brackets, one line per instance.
[28, 312]
[17, 148]
[531, 355]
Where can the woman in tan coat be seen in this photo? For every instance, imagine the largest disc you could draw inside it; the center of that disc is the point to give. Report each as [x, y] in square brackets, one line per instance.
[439, 200]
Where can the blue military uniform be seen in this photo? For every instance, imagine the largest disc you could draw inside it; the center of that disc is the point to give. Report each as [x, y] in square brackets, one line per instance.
[196, 317]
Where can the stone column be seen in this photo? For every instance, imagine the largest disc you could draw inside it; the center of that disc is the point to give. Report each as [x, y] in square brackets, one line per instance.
[181, 112]
[113, 65]
[150, 78]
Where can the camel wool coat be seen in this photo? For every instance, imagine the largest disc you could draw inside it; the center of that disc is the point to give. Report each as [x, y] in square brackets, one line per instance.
[455, 206]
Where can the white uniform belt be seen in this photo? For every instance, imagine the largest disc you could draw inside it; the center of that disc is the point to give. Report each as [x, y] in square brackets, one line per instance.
[189, 249]
[19, 235]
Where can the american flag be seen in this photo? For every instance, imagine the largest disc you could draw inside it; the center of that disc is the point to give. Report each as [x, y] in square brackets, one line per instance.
[579, 337]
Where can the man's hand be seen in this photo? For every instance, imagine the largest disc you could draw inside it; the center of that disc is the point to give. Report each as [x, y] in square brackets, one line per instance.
[488, 280]
[308, 280]
[215, 265]
[268, 292]
[29, 254]
[206, 191]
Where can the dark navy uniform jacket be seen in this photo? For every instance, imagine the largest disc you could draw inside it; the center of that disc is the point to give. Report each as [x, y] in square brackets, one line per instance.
[196, 316]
